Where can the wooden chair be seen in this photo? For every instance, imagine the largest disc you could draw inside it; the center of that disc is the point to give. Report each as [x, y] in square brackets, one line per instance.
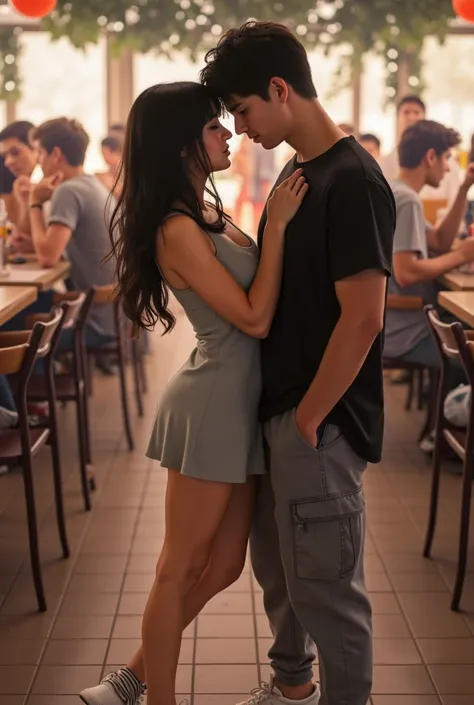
[71, 386]
[18, 446]
[454, 344]
[117, 349]
[414, 303]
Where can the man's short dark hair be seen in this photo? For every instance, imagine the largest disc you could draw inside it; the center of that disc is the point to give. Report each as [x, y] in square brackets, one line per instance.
[369, 137]
[247, 58]
[424, 135]
[112, 143]
[68, 135]
[20, 130]
[411, 99]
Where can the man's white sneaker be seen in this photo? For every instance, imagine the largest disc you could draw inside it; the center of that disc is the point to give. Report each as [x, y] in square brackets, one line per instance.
[111, 690]
[269, 694]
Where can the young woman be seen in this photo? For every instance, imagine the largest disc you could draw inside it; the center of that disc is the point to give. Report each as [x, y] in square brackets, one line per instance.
[167, 237]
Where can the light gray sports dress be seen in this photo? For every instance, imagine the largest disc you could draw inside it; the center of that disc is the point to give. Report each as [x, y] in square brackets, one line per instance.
[207, 420]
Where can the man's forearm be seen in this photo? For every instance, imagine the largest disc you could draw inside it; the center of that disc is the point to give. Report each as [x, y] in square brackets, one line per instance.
[449, 228]
[38, 231]
[345, 354]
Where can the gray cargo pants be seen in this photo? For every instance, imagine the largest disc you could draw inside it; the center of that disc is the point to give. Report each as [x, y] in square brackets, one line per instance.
[307, 547]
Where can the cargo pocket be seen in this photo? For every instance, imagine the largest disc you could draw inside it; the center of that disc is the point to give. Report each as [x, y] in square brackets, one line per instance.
[327, 536]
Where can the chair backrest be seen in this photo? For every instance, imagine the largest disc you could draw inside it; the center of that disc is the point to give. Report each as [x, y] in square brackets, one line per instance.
[50, 332]
[12, 358]
[444, 335]
[398, 302]
[78, 312]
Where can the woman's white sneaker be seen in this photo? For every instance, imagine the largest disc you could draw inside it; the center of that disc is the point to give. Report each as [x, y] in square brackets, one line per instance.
[118, 688]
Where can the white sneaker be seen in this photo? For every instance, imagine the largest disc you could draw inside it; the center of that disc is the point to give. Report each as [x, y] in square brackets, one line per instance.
[106, 693]
[269, 694]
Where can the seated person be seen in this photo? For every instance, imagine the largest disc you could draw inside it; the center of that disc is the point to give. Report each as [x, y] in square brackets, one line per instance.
[22, 162]
[372, 144]
[422, 253]
[112, 154]
[77, 225]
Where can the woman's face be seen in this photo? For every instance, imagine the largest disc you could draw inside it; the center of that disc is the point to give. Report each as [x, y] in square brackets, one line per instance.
[215, 138]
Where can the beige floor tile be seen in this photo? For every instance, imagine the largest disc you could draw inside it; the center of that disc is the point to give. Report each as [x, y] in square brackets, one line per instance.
[138, 582]
[22, 652]
[390, 626]
[225, 679]
[100, 565]
[87, 584]
[82, 627]
[396, 652]
[210, 625]
[418, 582]
[15, 680]
[429, 615]
[384, 603]
[454, 679]
[402, 680]
[65, 680]
[406, 700]
[229, 603]
[221, 699]
[447, 651]
[121, 650]
[100, 604]
[226, 651]
[75, 652]
[52, 700]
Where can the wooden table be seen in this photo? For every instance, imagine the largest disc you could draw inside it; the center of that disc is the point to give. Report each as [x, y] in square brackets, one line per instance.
[460, 304]
[31, 274]
[456, 281]
[14, 299]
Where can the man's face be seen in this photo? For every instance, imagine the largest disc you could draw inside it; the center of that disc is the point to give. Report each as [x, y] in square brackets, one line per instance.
[408, 114]
[371, 147]
[437, 167]
[47, 161]
[18, 156]
[266, 122]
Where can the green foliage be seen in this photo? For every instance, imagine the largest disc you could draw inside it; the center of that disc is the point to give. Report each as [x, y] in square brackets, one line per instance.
[190, 26]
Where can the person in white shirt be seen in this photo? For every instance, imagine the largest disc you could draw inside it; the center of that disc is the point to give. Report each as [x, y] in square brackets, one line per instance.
[410, 110]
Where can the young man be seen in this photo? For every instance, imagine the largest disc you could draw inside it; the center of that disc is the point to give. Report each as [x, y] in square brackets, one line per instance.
[372, 144]
[322, 370]
[21, 160]
[322, 404]
[77, 223]
[410, 110]
[424, 154]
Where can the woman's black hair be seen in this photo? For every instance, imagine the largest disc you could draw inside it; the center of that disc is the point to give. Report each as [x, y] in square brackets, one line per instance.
[163, 138]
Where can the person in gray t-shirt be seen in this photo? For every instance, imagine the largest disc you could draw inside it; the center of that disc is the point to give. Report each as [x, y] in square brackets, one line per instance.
[422, 253]
[77, 226]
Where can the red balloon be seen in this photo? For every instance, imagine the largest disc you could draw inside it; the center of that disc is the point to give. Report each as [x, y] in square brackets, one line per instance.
[464, 9]
[34, 8]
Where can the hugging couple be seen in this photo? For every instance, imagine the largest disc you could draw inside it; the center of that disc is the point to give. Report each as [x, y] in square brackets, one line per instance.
[266, 431]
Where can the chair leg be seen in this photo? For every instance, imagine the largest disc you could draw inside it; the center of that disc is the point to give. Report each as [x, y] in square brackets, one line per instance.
[433, 512]
[33, 531]
[431, 407]
[124, 398]
[464, 528]
[82, 449]
[436, 401]
[136, 376]
[57, 477]
[411, 390]
[421, 389]
[142, 366]
[88, 373]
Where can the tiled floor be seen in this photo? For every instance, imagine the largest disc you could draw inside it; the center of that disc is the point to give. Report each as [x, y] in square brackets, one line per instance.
[424, 654]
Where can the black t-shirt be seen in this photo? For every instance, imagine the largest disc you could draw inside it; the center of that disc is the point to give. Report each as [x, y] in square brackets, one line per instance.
[344, 226]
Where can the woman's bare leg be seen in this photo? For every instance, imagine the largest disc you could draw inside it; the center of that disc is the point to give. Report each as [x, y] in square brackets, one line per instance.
[225, 565]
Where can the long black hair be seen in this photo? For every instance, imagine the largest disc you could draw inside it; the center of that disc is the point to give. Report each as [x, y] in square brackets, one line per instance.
[166, 122]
